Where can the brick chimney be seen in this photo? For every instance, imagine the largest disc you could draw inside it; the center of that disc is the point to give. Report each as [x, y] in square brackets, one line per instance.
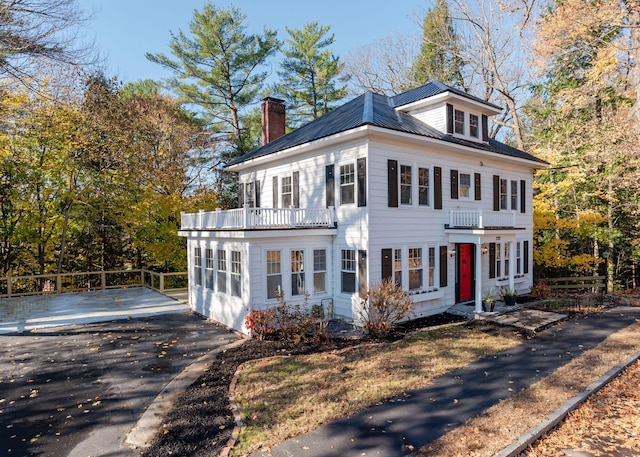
[273, 119]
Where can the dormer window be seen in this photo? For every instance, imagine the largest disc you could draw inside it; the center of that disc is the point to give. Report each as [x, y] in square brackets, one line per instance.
[459, 122]
[473, 126]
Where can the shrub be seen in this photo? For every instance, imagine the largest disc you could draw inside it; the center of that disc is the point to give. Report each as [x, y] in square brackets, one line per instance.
[261, 323]
[383, 306]
[541, 290]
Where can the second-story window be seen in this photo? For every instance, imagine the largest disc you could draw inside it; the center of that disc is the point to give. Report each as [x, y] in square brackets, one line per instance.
[465, 185]
[423, 186]
[473, 126]
[405, 184]
[458, 123]
[347, 184]
[286, 191]
[503, 194]
[514, 195]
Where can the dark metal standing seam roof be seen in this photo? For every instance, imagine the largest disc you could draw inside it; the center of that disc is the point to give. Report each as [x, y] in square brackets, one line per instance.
[378, 110]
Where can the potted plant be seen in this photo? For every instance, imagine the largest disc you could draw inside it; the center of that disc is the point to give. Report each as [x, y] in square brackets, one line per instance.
[488, 303]
[508, 296]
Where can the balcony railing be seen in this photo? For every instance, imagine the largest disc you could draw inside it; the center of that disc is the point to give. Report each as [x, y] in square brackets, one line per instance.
[259, 218]
[477, 218]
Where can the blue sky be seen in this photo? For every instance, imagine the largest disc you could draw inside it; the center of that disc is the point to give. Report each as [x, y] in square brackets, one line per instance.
[124, 30]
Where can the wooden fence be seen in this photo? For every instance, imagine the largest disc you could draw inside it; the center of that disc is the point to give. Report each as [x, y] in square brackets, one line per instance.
[592, 283]
[16, 286]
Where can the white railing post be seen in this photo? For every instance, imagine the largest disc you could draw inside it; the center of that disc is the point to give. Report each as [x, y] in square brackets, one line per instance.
[182, 213]
[451, 223]
[218, 218]
[245, 216]
[480, 219]
[332, 216]
[200, 216]
[292, 217]
[513, 218]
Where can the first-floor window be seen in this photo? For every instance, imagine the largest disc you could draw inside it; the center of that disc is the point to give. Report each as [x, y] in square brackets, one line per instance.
[209, 268]
[297, 272]
[348, 270]
[222, 271]
[274, 274]
[415, 268]
[319, 270]
[236, 274]
[405, 184]
[197, 262]
[397, 267]
[432, 266]
[507, 254]
[518, 258]
[498, 260]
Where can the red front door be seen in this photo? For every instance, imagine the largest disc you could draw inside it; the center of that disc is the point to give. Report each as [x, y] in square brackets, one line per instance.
[465, 277]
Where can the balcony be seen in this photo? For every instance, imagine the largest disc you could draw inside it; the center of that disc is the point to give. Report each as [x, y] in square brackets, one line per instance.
[479, 219]
[259, 218]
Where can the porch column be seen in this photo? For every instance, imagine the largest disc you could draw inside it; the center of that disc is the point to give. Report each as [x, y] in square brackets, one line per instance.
[512, 262]
[478, 270]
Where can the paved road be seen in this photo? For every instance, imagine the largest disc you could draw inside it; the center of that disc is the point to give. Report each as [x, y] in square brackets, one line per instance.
[76, 391]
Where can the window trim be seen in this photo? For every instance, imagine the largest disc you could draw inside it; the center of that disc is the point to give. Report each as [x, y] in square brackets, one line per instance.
[423, 189]
[322, 271]
[221, 271]
[272, 262]
[235, 273]
[297, 268]
[415, 268]
[197, 265]
[209, 271]
[404, 185]
[473, 117]
[470, 187]
[348, 266]
[459, 124]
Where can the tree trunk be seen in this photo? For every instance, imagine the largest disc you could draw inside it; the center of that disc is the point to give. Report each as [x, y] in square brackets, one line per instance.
[633, 14]
[63, 236]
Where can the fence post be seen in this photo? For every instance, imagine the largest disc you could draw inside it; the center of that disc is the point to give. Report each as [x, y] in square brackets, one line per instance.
[58, 283]
[9, 285]
[103, 280]
[161, 282]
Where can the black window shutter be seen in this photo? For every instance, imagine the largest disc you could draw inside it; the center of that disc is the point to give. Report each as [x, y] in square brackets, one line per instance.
[437, 187]
[454, 184]
[485, 128]
[387, 264]
[496, 193]
[362, 271]
[362, 182]
[449, 119]
[443, 266]
[296, 189]
[240, 195]
[330, 186]
[275, 191]
[257, 194]
[392, 183]
[523, 196]
[492, 260]
[525, 257]
[477, 194]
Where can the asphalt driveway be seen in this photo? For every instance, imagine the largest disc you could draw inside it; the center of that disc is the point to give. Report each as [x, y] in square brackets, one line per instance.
[78, 390]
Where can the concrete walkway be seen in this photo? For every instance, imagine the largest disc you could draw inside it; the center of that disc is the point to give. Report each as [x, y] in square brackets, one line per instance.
[22, 314]
[419, 417]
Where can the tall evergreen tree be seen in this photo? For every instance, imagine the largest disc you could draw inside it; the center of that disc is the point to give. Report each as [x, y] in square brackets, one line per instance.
[310, 73]
[438, 59]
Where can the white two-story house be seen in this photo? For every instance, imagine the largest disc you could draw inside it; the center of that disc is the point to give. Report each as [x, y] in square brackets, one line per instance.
[408, 187]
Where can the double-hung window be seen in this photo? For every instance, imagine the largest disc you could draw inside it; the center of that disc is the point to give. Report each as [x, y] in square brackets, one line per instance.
[473, 126]
[514, 195]
[423, 186]
[250, 198]
[432, 266]
[286, 191]
[274, 274]
[347, 184]
[405, 184]
[518, 258]
[197, 262]
[415, 268]
[507, 255]
[221, 277]
[297, 272]
[503, 194]
[458, 123]
[209, 269]
[498, 260]
[348, 270]
[397, 267]
[319, 270]
[465, 185]
[236, 273]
